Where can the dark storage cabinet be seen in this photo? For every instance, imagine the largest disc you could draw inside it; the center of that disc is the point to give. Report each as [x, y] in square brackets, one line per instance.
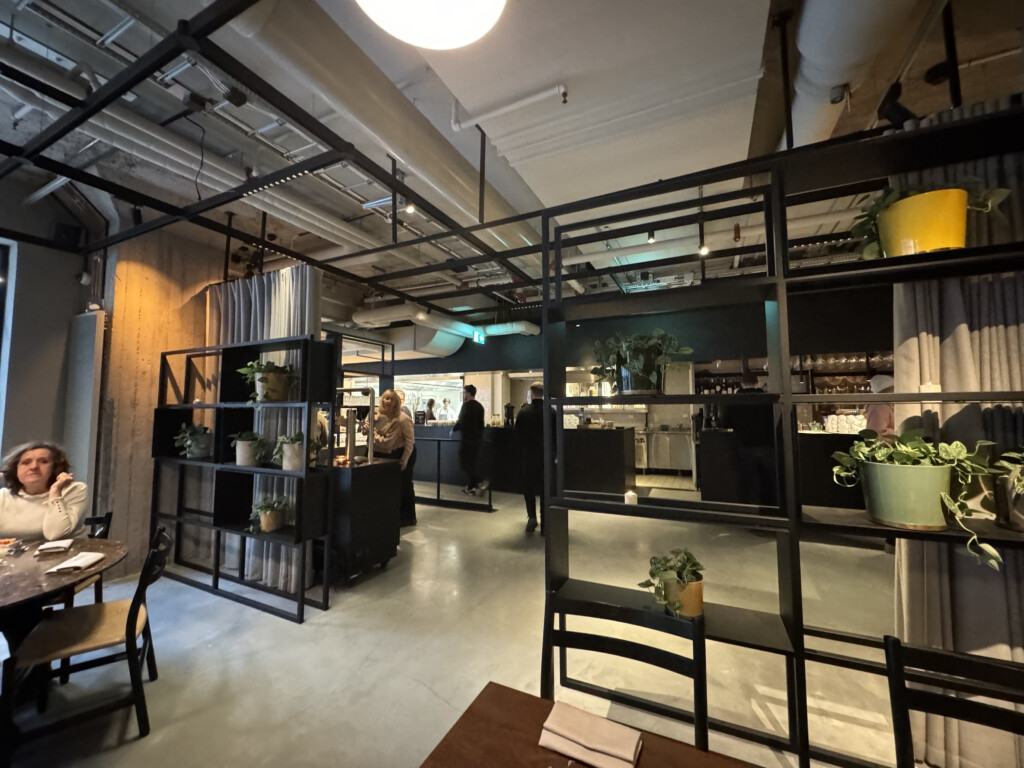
[600, 460]
[364, 508]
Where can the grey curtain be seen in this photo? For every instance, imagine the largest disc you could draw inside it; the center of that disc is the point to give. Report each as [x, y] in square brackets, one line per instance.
[964, 335]
[273, 305]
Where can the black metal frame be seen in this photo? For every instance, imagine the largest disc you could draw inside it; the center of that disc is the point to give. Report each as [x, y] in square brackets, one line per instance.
[437, 501]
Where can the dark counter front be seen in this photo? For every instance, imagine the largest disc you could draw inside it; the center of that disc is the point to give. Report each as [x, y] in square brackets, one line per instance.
[600, 460]
[364, 502]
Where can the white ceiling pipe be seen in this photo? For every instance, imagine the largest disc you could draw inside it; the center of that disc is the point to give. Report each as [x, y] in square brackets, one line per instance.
[715, 239]
[300, 38]
[442, 323]
[838, 40]
[458, 125]
[384, 316]
[506, 329]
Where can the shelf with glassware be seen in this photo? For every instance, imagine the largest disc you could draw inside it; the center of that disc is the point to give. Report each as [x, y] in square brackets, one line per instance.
[212, 445]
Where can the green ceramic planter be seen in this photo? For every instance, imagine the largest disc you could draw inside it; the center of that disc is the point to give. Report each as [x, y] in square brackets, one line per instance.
[905, 496]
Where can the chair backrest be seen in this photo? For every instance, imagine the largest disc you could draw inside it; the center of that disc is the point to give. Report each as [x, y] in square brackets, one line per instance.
[152, 569]
[99, 525]
[948, 676]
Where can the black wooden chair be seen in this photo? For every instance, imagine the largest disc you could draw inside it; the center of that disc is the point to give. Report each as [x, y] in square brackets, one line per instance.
[946, 677]
[85, 629]
[632, 607]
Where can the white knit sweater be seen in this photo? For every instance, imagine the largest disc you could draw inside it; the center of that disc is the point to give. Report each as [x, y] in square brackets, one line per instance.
[25, 516]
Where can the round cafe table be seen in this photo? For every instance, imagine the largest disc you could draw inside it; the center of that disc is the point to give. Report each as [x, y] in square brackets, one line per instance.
[24, 577]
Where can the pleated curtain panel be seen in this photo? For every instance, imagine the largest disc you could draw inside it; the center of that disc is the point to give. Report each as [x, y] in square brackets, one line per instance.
[964, 334]
[269, 306]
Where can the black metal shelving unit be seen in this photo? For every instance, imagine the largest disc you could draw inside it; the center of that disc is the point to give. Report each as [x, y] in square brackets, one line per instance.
[184, 380]
[786, 179]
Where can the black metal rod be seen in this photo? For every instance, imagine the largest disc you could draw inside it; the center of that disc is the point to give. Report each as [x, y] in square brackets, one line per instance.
[227, 248]
[781, 22]
[394, 202]
[25, 237]
[952, 62]
[263, 239]
[483, 172]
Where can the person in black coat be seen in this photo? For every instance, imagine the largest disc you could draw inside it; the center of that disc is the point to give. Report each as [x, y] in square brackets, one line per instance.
[530, 442]
[470, 426]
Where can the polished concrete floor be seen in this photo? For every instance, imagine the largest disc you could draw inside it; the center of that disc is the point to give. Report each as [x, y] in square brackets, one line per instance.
[378, 679]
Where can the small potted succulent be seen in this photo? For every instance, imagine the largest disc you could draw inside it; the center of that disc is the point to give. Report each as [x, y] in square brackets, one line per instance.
[635, 363]
[269, 514]
[909, 482]
[903, 222]
[1009, 490]
[194, 441]
[250, 448]
[288, 452]
[271, 380]
[676, 582]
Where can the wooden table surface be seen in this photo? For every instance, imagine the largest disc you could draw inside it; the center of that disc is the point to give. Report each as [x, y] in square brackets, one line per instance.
[501, 729]
[23, 577]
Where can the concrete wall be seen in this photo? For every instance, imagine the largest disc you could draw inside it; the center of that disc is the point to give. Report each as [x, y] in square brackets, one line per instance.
[43, 296]
[159, 304]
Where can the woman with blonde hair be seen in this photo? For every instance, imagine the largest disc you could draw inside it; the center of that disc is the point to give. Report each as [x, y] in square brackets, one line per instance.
[395, 438]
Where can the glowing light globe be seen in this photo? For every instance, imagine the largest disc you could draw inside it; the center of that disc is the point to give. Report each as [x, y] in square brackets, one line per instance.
[437, 24]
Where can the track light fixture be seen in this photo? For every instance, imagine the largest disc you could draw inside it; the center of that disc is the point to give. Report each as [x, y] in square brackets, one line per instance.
[650, 236]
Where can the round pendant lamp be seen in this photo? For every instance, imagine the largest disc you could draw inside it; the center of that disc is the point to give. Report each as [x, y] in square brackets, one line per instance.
[437, 24]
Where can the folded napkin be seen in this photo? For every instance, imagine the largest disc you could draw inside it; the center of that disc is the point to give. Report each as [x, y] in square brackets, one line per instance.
[61, 545]
[590, 738]
[79, 562]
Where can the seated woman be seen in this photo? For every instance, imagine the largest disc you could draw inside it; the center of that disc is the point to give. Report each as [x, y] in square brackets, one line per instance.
[42, 500]
[394, 438]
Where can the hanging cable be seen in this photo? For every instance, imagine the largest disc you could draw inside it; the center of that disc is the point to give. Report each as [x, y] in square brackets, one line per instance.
[202, 155]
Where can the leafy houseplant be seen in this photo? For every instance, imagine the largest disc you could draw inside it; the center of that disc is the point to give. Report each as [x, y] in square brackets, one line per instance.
[635, 363]
[676, 582]
[269, 514]
[872, 225]
[907, 482]
[194, 440]
[1009, 480]
[250, 448]
[288, 452]
[270, 379]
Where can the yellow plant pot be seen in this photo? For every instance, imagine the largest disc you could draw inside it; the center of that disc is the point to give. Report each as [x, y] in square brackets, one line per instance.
[691, 596]
[271, 521]
[931, 221]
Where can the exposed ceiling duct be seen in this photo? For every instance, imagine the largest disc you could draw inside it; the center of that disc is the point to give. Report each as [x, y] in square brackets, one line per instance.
[838, 40]
[384, 316]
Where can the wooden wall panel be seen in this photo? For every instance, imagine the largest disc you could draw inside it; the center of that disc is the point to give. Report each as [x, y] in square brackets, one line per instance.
[159, 303]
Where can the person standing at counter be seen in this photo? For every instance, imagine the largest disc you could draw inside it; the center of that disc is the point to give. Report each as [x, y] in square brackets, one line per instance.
[754, 427]
[880, 416]
[446, 413]
[401, 400]
[395, 438]
[430, 410]
[530, 443]
[470, 426]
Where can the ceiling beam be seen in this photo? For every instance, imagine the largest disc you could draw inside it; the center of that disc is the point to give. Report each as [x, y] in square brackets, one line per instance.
[25, 237]
[287, 108]
[205, 22]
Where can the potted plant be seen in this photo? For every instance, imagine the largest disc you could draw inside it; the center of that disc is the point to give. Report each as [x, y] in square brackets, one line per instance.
[677, 583]
[249, 448]
[269, 514]
[194, 441]
[1009, 490]
[288, 452]
[908, 480]
[903, 222]
[635, 363]
[270, 379]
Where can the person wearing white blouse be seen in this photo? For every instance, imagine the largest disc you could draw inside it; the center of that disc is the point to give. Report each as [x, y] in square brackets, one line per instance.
[41, 499]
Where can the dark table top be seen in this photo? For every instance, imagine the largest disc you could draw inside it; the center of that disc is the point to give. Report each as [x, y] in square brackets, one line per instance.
[24, 577]
[501, 729]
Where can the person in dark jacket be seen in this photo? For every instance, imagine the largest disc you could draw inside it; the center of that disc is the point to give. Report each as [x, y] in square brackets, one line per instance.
[754, 428]
[530, 443]
[470, 426]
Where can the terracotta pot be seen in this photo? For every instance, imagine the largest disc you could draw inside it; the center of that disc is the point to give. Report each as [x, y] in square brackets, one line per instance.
[291, 457]
[274, 389]
[902, 496]
[932, 221]
[245, 452]
[271, 521]
[690, 596]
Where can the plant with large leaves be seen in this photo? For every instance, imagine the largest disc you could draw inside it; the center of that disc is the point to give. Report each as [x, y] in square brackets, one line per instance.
[643, 356]
[912, 449]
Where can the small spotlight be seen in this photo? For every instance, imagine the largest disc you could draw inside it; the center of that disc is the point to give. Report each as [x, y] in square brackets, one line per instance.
[650, 236]
[704, 250]
[410, 209]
